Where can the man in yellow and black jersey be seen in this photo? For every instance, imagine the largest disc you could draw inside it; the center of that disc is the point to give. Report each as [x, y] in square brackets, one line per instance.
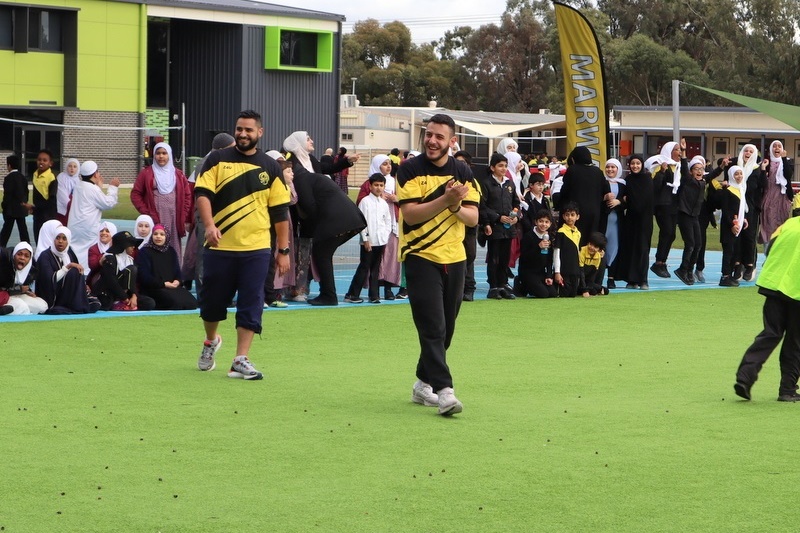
[438, 198]
[239, 193]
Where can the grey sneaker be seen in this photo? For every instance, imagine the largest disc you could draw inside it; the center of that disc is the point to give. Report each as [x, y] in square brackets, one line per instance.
[206, 361]
[242, 368]
[423, 394]
[448, 403]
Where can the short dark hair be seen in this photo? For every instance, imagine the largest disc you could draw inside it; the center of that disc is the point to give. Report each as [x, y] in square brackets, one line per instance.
[543, 213]
[571, 207]
[249, 113]
[598, 240]
[13, 161]
[536, 177]
[497, 158]
[377, 178]
[464, 155]
[447, 120]
[46, 151]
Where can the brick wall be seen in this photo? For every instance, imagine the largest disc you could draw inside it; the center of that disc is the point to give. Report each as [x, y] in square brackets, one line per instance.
[117, 153]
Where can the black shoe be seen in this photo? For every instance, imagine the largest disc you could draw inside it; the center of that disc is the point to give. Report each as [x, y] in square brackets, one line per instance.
[742, 390]
[644, 286]
[611, 284]
[793, 397]
[352, 299]
[468, 297]
[94, 304]
[319, 302]
[727, 281]
[660, 270]
[749, 273]
[6, 310]
[508, 288]
[684, 276]
[375, 301]
[494, 294]
[738, 271]
[506, 295]
[388, 294]
[632, 286]
[402, 294]
[698, 275]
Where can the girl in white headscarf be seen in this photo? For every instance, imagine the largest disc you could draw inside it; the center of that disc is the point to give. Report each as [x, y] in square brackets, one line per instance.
[615, 216]
[60, 280]
[96, 251]
[300, 144]
[66, 184]
[733, 222]
[666, 182]
[163, 192]
[143, 228]
[776, 201]
[22, 300]
[45, 238]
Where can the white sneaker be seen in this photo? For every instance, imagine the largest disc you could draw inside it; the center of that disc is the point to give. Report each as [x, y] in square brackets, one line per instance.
[448, 403]
[423, 394]
[242, 368]
[210, 348]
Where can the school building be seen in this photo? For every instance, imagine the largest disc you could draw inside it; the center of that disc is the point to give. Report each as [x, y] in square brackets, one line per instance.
[106, 79]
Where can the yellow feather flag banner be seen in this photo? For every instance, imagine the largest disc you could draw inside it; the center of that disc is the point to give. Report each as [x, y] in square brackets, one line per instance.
[584, 84]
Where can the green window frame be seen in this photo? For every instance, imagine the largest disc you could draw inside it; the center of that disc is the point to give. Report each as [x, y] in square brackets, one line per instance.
[298, 49]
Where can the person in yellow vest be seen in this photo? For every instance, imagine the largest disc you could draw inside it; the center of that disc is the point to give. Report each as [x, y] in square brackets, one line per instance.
[779, 282]
[45, 192]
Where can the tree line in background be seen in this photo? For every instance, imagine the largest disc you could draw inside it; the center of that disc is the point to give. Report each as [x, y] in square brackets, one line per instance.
[749, 47]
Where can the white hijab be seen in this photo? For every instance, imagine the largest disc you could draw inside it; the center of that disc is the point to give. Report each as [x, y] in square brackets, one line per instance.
[66, 184]
[513, 160]
[666, 156]
[46, 236]
[165, 176]
[143, 218]
[21, 275]
[751, 164]
[297, 143]
[617, 178]
[652, 163]
[742, 187]
[64, 256]
[776, 168]
[503, 146]
[112, 229]
[375, 168]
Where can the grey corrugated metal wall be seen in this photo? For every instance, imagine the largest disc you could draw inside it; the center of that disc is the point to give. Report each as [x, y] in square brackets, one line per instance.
[205, 74]
[218, 70]
[290, 101]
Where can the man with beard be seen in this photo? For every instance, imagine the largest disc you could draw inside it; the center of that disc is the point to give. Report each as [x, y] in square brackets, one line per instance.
[239, 193]
[438, 198]
[17, 274]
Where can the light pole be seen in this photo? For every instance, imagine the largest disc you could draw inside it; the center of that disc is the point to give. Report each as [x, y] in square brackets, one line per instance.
[354, 85]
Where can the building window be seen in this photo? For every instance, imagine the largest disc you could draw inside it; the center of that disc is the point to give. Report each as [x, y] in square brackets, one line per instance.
[44, 30]
[292, 49]
[720, 146]
[347, 136]
[6, 28]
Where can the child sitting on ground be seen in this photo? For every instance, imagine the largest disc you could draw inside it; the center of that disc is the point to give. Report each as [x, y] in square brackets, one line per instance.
[565, 253]
[535, 277]
[591, 260]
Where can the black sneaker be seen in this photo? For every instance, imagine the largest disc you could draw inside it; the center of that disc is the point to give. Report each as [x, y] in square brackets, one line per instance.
[611, 284]
[684, 276]
[738, 271]
[698, 275]
[6, 310]
[402, 294]
[494, 294]
[793, 397]
[660, 270]
[388, 294]
[506, 295]
[742, 390]
[352, 299]
[727, 281]
[749, 273]
[468, 297]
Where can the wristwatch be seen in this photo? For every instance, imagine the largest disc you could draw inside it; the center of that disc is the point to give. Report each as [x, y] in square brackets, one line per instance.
[284, 251]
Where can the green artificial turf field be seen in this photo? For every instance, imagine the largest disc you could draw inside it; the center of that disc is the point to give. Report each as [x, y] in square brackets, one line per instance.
[604, 414]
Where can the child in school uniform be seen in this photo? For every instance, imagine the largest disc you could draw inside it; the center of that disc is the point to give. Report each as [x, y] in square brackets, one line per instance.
[373, 240]
[733, 203]
[535, 276]
[691, 195]
[536, 201]
[565, 253]
[592, 263]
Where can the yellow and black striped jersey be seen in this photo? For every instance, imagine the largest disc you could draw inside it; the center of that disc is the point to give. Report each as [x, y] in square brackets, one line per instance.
[439, 239]
[242, 188]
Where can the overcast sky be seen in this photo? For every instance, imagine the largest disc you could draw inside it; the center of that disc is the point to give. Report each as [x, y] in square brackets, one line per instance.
[425, 23]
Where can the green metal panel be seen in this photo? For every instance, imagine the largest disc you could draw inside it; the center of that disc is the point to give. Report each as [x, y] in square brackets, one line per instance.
[36, 76]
